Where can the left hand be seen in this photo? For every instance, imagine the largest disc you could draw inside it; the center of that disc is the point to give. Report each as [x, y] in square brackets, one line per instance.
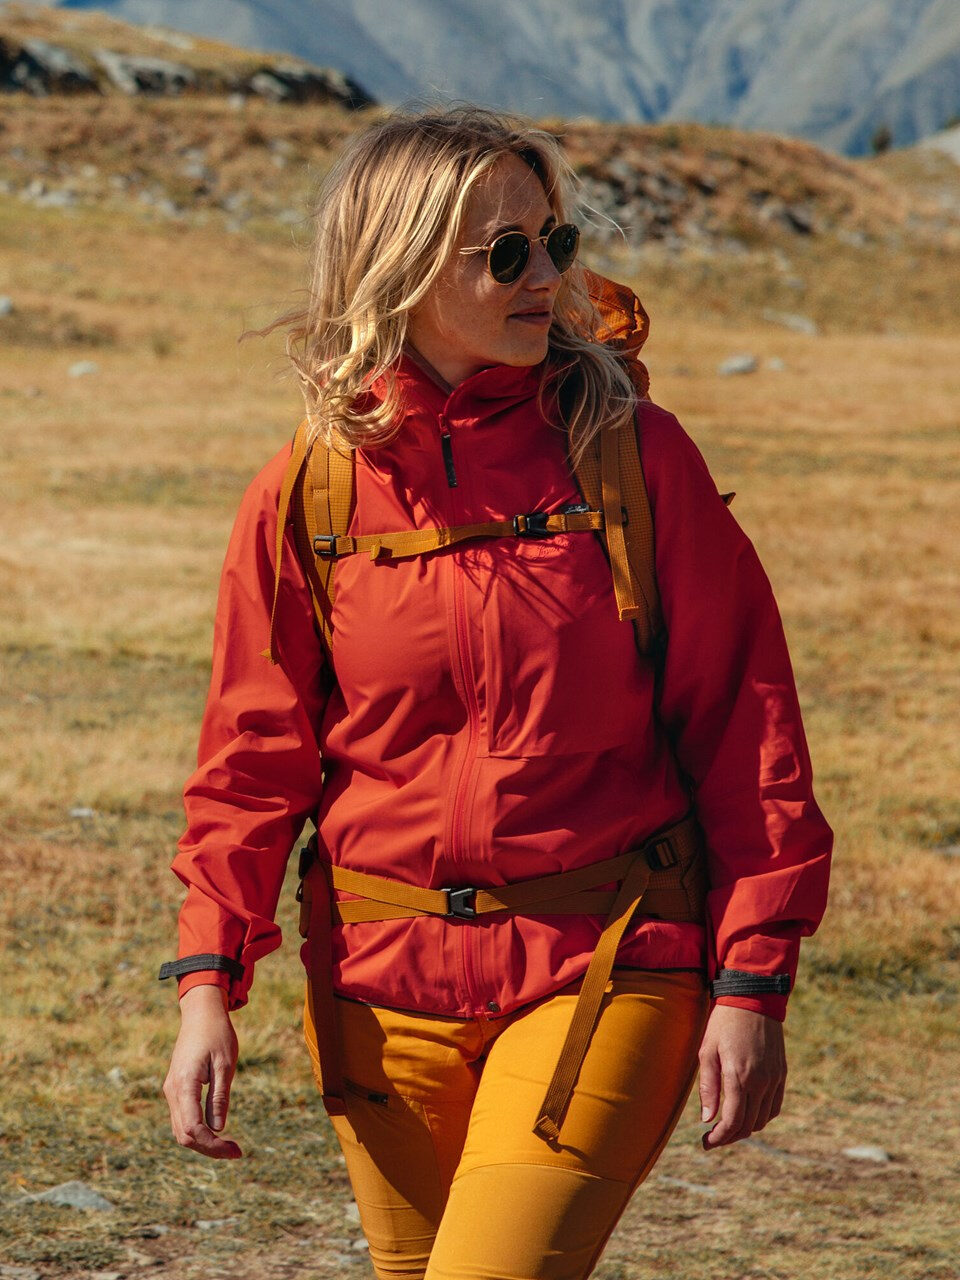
[744, 1051]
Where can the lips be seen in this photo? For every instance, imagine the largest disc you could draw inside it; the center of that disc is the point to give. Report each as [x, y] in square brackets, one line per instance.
[538, 315]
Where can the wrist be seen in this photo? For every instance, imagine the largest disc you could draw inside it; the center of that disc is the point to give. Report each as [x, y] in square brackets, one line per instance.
[204, 998]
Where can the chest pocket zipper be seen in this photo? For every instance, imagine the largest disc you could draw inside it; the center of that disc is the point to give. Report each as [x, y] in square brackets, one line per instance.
[370, 1094]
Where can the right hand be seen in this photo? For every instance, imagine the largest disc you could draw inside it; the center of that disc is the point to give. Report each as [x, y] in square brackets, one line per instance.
[205, 1053]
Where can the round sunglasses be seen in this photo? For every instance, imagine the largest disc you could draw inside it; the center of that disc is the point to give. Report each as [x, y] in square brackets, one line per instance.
[508, 255]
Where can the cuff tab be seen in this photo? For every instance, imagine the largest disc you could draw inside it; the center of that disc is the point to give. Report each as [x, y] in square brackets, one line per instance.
[192, 964]
[740, 982]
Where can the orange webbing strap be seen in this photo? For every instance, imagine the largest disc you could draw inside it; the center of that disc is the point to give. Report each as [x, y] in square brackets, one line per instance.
[666, 872]
[414, 542]
[682, 843]
[587, 1008]
[638, 534]
[615, 517]
[327, 1069]
[294, 466]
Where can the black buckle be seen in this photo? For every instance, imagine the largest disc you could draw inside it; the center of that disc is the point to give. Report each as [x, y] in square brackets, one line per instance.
[660, 854]
[329, 551]
[457, 904]
[533, 525]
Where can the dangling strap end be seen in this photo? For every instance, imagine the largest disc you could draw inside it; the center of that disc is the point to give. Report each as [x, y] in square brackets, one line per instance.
[628, 612]
[546, 1128]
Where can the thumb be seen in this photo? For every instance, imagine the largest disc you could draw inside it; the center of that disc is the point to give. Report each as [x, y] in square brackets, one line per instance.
[709, 1085]
[218, 1095]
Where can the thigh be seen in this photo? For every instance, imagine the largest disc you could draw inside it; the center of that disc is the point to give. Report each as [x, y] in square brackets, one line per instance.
[408, 1094]
[521, 1208]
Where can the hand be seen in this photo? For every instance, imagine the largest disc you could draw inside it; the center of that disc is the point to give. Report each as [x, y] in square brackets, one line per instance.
[745, 1051]
[205, 1053]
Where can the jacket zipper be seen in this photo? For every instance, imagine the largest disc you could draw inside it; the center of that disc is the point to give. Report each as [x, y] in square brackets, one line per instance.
[446, 445]
[461, 787]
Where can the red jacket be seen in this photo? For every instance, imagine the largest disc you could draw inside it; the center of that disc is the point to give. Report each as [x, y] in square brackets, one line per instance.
[491, 721]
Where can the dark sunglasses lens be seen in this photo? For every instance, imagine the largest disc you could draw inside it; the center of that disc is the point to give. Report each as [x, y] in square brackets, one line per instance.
[562, 245]
[508, 256]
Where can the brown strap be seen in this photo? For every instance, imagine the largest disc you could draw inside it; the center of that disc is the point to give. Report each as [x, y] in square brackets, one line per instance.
[615, 517]
[290, 476]
[320, 994]
[667, 863]
[414, 542]
[587, 1008]
[638, 534]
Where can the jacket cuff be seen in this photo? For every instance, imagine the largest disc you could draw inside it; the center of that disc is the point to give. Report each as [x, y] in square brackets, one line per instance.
[770, 1006]
[743, 982]
[192, 964]
[204, 978]
[764, 993]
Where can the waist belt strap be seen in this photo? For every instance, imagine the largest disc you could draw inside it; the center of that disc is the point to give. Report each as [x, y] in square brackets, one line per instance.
[666, 872]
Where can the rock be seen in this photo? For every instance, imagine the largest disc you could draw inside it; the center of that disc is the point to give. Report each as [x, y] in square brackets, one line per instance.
[117, 1077]
[289, 82]
[135, 75]
[77, 370]
[40, 68]
[211, 1224]
[359, 1245]
[18, 1273]
[6, 305]
[876, 1154]
[946, 850]
[743, 363]
[775, 364]
[81, 811]
[798, 218]
[351, 1212]
[790, 320]
[74, 1195]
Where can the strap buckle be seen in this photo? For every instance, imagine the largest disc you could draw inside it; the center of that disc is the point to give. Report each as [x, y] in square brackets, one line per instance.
[325, 546]
[533, 525]
[660, 854]
[457, 905]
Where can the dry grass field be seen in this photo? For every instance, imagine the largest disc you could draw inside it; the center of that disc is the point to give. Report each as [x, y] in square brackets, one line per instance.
[119, 487]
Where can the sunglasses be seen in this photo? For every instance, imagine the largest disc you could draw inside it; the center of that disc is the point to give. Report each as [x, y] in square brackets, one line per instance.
[508, 255]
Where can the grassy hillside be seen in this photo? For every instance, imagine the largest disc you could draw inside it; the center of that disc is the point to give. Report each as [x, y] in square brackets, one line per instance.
[119, 488]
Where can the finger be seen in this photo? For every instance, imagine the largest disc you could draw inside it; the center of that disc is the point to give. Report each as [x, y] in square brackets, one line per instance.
[777, 1100]
[731, 1115]
[709, 1086]
[218, 1094]
[203, 1140]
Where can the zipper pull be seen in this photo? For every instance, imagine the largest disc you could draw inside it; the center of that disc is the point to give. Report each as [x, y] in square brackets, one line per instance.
[447, 447]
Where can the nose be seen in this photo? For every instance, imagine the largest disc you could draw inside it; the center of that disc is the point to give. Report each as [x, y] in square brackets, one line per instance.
[541, 273]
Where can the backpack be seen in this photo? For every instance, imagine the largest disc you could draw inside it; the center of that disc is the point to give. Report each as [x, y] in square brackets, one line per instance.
[318, 487]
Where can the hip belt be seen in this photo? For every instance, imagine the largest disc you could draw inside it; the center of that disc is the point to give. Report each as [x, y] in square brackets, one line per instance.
[666, 873]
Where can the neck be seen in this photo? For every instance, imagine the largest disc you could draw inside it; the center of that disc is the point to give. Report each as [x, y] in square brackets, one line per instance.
[421, 360]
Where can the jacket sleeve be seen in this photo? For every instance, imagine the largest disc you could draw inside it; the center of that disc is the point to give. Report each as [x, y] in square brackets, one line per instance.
[258, 772]
[729, 705]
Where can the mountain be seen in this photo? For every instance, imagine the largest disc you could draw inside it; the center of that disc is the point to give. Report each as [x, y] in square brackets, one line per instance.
[831, 71]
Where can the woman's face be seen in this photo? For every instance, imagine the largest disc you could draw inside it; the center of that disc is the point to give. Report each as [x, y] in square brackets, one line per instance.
[468, 321]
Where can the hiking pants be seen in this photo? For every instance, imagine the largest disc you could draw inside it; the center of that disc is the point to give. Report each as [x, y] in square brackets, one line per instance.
[449, 1179]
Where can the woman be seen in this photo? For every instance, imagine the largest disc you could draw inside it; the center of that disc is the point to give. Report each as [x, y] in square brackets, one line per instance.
[484, 719]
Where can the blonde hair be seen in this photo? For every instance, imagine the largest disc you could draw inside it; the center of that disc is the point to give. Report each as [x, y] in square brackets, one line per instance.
[386, 218]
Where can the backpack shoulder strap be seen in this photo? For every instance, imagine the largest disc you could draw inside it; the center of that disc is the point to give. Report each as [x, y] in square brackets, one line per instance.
[610, 476]
[322, 508]
[318, 492]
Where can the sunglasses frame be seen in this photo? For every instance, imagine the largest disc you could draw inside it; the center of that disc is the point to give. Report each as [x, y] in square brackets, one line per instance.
[488, 249]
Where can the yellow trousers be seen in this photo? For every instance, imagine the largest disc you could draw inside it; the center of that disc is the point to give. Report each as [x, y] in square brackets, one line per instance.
[450, 1181]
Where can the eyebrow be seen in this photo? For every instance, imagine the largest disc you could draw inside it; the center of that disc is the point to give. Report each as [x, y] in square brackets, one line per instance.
[493, 229]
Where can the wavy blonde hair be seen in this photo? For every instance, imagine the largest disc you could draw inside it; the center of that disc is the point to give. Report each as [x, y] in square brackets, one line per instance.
[386, 218]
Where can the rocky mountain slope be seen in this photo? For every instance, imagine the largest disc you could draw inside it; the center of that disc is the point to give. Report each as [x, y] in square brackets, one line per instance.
[832, 71]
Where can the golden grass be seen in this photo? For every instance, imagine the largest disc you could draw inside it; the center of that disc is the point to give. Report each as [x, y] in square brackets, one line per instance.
[120, 488]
